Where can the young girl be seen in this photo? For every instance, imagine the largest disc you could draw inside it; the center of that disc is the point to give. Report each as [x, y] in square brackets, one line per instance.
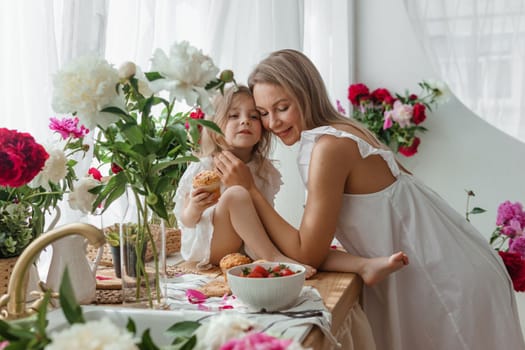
[214, 226]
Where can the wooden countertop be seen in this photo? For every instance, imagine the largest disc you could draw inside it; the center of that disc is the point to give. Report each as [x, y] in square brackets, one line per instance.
[340, 291]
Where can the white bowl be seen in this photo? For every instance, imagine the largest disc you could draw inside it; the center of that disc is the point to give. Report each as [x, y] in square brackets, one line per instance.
[271, 294]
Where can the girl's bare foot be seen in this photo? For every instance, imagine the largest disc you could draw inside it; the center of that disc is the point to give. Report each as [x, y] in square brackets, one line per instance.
[377, 269]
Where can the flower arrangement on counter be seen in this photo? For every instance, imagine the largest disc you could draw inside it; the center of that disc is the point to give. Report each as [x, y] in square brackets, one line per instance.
[508, 239]
[142, 142]
[394, 118]
[33, 179]
[224, 331]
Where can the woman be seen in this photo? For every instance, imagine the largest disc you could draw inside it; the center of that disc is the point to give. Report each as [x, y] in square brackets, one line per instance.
[455, 294]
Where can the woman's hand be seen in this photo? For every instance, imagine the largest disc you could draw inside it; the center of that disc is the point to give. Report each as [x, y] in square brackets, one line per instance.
[233, 170]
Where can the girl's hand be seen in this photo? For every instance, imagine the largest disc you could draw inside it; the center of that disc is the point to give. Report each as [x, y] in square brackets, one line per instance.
[199, 200]
[233, 170]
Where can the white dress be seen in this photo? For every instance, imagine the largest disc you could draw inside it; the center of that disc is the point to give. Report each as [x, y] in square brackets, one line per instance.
[455, 293]
[195, 241]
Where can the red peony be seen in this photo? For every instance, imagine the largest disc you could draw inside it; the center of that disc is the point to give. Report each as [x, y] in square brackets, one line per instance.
[516, 268]
[418, 114]
[382, 95]
[115, 169]
[95, 173]
[358, 93]
[409, 151]
[21, 158]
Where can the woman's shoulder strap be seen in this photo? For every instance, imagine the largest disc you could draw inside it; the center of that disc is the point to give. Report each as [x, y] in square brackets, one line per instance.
[310, 137]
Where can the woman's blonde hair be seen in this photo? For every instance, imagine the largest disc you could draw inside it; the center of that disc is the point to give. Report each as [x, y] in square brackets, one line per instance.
[213, 142]
[299, 77]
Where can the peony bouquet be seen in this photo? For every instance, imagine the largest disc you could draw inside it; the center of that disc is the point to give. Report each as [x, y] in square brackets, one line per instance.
[33, 179]
[395, 119]
[509, 240]
[144, 139]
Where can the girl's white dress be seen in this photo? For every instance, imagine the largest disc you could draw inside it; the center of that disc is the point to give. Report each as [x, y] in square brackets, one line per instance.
[195, 241]
[455, 293]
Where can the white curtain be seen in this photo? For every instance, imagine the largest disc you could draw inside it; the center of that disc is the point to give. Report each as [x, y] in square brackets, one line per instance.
[38, 37]
[478, 47]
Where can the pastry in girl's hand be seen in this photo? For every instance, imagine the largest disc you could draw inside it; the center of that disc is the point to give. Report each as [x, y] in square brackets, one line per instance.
[208, 180]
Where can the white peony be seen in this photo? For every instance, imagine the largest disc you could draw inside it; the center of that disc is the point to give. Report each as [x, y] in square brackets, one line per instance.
[440, 90]
[94, 335]
[85, 86]
[55, 169]
[221, 328]
[80, 198]
[186, 72]
[127, 70]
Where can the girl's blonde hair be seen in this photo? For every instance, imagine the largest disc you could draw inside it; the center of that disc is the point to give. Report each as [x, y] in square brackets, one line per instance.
[213, 142]
[299, 77]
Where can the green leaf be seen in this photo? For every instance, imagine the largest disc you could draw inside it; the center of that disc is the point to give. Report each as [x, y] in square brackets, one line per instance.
[151, 76]
[118, 111]
[146, 342]
[133, 134]
[208, 124]
[111, 191]
[183, 329]
[131, 327]
[70, 308]
[477, 210]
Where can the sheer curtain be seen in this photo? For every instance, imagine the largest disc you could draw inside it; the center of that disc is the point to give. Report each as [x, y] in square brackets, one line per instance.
[38, 37]
[478, 47]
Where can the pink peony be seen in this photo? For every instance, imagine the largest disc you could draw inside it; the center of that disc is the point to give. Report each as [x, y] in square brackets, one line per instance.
[68, 127]
[387, 124]
[402, 113]
[340, 107]
[256, 341]
[517, 245]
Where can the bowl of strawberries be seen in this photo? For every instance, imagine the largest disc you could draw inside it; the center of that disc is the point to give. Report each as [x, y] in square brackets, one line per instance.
[271, 286]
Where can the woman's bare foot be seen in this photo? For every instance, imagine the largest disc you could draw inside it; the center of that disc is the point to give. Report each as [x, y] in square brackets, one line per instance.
[377, 269]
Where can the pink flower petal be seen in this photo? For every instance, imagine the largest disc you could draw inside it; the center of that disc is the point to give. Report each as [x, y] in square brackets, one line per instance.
[195, 297]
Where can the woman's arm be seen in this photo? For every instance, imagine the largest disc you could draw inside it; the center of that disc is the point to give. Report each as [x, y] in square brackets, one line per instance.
[327, 175]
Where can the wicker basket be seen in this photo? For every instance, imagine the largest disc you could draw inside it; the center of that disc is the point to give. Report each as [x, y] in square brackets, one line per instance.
[172, 246]
[6, 268]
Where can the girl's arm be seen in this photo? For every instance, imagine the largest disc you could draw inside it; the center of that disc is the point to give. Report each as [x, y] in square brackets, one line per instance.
[194, 205]
[327, 175]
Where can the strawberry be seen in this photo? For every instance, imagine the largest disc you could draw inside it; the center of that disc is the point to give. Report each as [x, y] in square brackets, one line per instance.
[286, 272]
[260, 270]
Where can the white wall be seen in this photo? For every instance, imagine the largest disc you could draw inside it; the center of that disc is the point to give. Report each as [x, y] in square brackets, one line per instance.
[460, 151]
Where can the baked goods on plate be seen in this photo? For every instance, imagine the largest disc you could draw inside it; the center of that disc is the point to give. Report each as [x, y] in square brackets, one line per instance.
[232, 260]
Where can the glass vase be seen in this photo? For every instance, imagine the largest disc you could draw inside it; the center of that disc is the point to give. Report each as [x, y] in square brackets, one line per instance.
[142, 253]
